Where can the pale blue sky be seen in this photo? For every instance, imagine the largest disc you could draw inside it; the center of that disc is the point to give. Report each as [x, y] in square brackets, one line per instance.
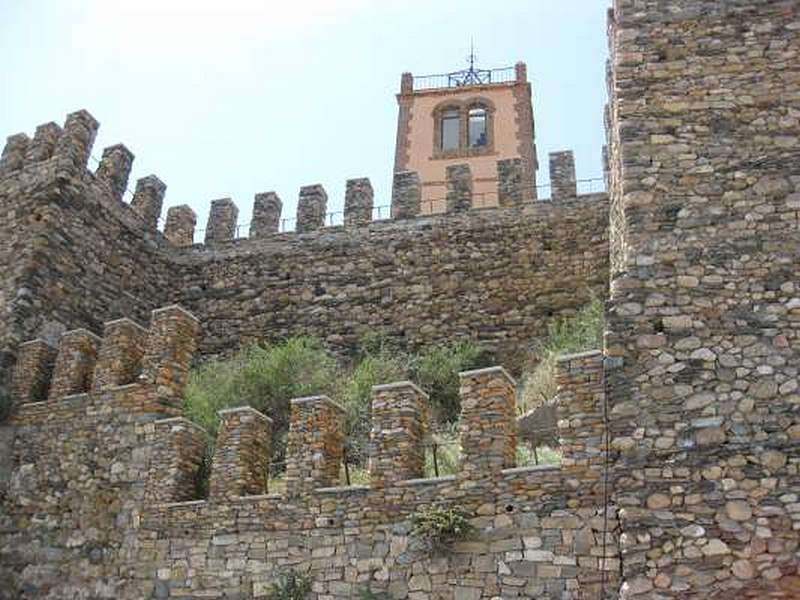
[230, 98]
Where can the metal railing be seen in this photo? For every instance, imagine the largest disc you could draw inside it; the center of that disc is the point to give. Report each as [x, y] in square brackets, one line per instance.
[429, 206]
[355, 458]
[464, 78]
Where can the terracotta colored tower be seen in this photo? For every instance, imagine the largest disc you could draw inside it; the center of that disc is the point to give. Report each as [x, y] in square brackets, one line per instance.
[475, 117]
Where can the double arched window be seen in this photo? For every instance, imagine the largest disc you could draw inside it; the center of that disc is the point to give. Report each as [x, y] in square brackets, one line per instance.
[463, 128]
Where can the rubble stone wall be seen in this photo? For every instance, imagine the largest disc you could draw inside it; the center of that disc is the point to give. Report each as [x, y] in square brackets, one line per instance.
[101, 502]
[704, 316]
[496, 276]
[72, 254]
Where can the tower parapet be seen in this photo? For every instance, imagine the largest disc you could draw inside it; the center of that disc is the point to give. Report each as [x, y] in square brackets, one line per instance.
[315, 446]
[34, 370]
[221, 225]
[44, 143]
[148, 199]
[179, 228]
[459, 188]
[267, 209]
[358, 202]
[241, 455]
[119, 359]
[171, 343]
[399, 425]
[83, 362]
[488, 422]
[75, 144]
[14, 153]
[311, 208]
[406, 195]
[176, 453]
[511, 181]
[74, 366]
[115, 168]
[563, 181]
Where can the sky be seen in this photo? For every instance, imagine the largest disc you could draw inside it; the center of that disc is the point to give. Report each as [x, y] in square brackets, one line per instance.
[228, 98]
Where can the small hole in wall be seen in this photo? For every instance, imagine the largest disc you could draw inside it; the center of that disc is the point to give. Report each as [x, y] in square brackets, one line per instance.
[331, 522]
[658, 325]
[509, 508]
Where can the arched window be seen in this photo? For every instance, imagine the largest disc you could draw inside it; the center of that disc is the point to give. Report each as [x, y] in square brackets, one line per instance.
[463, 128]
[450, 129]
[476, 129]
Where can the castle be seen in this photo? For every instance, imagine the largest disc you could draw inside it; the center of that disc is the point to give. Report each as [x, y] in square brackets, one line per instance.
[680, 475]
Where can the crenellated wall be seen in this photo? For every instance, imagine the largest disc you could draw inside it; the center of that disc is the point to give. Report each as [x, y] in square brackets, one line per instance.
[496, 276]
[72, 254]
[103, 499]
[680, 475]
[75, 254]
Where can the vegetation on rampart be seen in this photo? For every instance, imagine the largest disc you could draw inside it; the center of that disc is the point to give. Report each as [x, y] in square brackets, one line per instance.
[267, 376]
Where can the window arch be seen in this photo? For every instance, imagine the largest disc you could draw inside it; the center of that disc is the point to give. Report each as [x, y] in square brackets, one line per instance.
[463, 128]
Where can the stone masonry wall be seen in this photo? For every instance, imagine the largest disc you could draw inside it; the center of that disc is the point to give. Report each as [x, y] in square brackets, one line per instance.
[77, 255]
[421, 281]
[72, 254]
[99, 505]
[704, 315]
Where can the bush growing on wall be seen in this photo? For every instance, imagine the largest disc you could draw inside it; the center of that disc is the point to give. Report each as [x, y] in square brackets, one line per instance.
[267, 377]
[436, 371]
[264, 377]
[438, 528]
[291, 586]
[579, 333]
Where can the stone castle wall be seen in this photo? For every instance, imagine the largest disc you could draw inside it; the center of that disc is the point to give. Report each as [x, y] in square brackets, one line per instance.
[419, 281]
[72, 253]
[102, 503]
[681, 469]
[704, 315]
[75, 255]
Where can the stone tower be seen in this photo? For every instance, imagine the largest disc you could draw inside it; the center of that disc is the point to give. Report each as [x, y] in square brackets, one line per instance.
[474, 117]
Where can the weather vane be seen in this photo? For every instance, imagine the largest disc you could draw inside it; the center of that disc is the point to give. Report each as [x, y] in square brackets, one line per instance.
[471, 76]
[472, 58]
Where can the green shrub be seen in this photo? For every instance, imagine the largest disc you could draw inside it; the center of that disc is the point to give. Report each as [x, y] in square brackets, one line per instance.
[436, 371]
[356, 396]
[264, 377]
[439, 527]
[579, 333]
[291, 586]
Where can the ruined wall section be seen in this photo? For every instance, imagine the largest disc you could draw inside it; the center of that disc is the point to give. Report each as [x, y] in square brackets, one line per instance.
[73, 254]
[704, 316]
[496, 276]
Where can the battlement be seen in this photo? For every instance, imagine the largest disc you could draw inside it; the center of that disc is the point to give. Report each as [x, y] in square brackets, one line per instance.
[62, 154]
[397, 447]
[129, 356]
[360, 210]
[83, 363]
